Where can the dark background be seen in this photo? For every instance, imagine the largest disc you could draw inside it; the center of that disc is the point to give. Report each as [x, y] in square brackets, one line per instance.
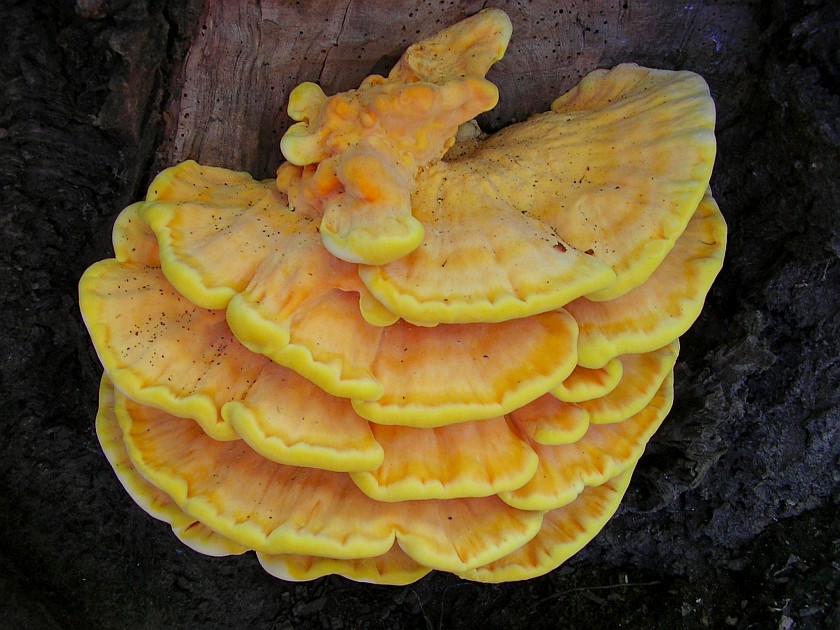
[731, 519]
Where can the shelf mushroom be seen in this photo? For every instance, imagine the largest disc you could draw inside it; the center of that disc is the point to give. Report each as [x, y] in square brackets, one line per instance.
[418, 348]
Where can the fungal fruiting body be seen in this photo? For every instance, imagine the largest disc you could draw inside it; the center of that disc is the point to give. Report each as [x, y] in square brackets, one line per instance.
[418, 348]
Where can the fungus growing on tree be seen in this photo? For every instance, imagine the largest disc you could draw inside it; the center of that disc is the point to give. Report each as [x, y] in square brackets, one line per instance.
[418, 348]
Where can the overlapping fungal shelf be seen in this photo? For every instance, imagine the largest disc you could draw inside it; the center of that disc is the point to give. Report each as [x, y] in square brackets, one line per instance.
[418, 348]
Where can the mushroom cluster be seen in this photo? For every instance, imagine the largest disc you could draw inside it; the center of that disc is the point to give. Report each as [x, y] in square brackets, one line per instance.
[418, 347]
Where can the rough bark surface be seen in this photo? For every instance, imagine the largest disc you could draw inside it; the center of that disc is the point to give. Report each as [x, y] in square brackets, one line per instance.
[731, 519]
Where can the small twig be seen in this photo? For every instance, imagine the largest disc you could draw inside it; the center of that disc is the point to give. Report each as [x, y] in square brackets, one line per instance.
[428, 621]
[605, 587]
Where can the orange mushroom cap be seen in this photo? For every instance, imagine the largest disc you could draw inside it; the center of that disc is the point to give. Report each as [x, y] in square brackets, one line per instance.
[418, 347]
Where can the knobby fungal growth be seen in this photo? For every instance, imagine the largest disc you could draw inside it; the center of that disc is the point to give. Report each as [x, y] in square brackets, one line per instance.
[419, 348]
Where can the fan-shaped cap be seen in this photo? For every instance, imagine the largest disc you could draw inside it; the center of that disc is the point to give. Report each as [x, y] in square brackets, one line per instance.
[288, 419]
[588, 383]
[642, 376]
[482, 260]
[163, 350]
[616, 168]
[216, 228]
[132, 239]
[660, 310]
[548, 420]
[460, 372]
[394, 568]
[565, 531]
[470, 459]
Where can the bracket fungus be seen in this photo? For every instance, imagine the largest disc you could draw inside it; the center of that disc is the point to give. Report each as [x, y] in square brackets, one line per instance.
[418, 348]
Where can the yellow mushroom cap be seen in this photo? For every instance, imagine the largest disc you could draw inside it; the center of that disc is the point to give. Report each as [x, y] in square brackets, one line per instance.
[418, 347]
[580, 201]
[665, 305]
[565, 531]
